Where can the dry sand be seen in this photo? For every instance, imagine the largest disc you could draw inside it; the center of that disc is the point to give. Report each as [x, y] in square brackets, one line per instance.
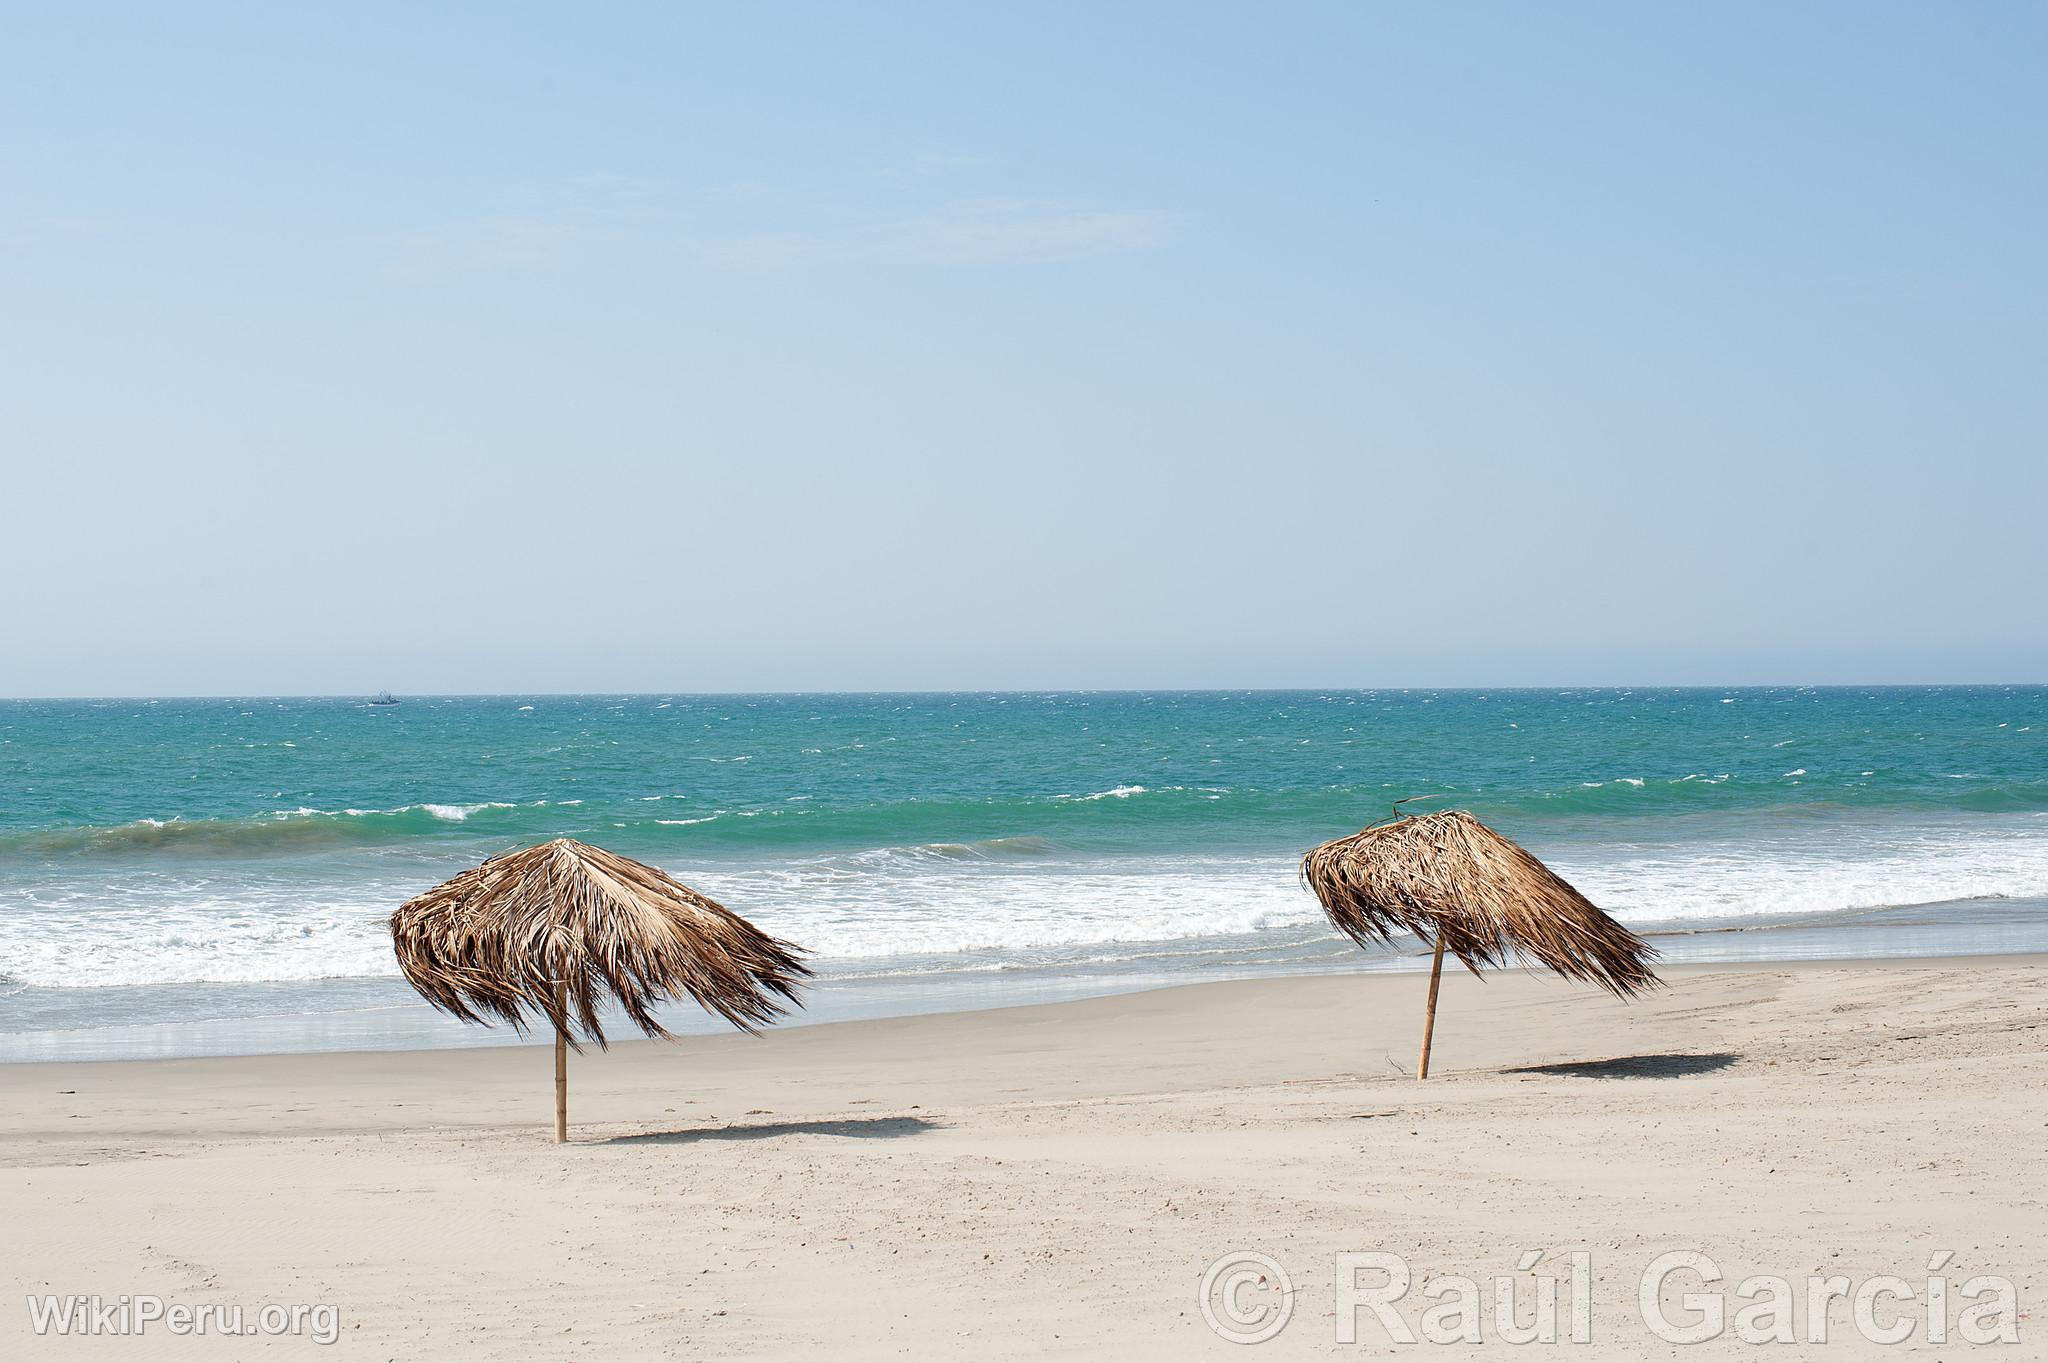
[1053, 1181]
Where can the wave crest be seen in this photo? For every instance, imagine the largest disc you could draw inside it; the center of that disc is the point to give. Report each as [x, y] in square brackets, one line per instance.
[279, 831]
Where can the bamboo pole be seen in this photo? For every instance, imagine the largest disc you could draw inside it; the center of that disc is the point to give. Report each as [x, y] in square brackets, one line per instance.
[562, 1068]
[1436, 977]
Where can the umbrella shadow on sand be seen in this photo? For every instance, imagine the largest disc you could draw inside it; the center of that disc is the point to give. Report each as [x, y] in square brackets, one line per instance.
[859, 1128]
[1669, 1066]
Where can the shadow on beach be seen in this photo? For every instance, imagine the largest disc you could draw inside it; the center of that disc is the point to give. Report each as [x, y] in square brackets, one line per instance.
[1637, 1066]
[861, 1128]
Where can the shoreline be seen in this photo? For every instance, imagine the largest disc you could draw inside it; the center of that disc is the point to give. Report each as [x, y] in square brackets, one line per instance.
[1145, 999]
[1051, 1180]
[638, 1062]
[378, 1014]
[994, 1015]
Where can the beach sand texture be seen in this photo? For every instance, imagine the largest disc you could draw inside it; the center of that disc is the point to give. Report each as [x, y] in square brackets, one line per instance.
[1053, 1181]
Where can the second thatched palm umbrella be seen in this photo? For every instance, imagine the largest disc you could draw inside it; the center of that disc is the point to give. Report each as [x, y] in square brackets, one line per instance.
[1449, 879]
[560, 929]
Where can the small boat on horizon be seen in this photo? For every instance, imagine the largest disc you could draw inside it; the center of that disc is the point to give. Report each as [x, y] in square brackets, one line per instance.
[384, 698]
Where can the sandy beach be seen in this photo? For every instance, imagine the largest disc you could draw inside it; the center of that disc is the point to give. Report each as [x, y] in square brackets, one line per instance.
[997, 598]
[1054, 1181]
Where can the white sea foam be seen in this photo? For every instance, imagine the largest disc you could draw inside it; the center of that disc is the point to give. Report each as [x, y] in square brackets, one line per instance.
[263, 934]
[978, 905]
[959, 906]
[1810, 872]
[458, 813]
[448, 812]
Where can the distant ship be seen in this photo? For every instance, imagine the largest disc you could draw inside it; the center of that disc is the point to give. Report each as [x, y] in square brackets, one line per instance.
[384, 698]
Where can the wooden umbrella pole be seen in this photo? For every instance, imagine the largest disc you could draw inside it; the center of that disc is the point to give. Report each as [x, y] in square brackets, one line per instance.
[1436, 977]
[562, 1065]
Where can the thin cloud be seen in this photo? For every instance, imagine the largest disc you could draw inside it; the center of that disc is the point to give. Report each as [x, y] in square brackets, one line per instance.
[572, 220]
[45, 230]
[941, 162]
[487, 244]
[984, 231]
[555, 219]
[1021, 231]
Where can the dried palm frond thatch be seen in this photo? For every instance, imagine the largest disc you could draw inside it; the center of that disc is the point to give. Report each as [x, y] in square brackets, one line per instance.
[558, 930]
[1450, 880]
[1448, 876]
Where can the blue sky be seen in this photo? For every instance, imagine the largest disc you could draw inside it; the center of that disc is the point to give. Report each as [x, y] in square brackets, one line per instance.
[511, 348]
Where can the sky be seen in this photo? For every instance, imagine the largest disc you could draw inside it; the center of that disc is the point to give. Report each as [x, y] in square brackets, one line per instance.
[523, 348]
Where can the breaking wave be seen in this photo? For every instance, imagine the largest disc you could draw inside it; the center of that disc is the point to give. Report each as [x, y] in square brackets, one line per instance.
[280, 831]
[993, 903]
[1114, 817]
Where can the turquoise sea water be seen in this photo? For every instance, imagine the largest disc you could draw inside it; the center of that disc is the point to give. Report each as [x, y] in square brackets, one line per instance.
[180, 874]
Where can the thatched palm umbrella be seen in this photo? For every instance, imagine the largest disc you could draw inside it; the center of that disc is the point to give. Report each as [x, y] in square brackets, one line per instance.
[559, 929]
[1449, 879]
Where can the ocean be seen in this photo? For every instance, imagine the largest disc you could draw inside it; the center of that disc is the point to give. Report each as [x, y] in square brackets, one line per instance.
[208, 876]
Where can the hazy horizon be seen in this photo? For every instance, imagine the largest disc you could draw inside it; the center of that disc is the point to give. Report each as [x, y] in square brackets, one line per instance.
[677, 692]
